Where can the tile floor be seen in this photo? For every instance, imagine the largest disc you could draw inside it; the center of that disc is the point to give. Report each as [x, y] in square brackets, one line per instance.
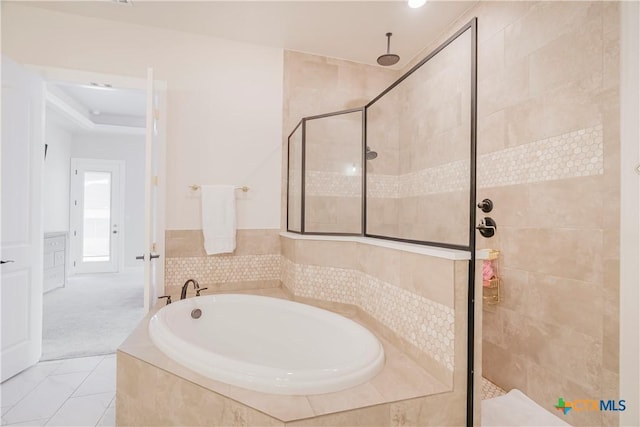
[71, 392]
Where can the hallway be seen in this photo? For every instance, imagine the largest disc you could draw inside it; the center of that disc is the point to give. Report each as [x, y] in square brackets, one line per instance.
[92, 315]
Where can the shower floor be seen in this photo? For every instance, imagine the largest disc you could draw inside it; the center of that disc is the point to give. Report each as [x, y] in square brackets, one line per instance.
[490, 390]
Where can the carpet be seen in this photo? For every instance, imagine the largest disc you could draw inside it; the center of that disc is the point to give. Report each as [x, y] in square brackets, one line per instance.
[92, 315]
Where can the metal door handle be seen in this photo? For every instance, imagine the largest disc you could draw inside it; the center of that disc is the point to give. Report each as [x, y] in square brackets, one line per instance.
[115, 231]
[7, 261]
[141, 257]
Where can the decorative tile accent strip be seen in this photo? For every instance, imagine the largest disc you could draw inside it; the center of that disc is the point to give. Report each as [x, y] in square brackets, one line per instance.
[383, 186]
[490, 390]
[426, 324]
[325, 283]
[333, 184]
[222, 269]
[444, 178]
[574, 154]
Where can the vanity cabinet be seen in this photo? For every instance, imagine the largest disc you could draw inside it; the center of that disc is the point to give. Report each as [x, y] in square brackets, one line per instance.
[54, 261]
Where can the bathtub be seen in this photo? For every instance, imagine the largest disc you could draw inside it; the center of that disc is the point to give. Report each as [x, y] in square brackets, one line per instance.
[267, 344]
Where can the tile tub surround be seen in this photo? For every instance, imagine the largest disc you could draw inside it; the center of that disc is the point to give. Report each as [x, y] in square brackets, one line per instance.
[409, 295]
[183, 397]
[254, 264]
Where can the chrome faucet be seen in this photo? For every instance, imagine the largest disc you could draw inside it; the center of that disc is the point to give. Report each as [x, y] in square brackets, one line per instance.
[183, 293]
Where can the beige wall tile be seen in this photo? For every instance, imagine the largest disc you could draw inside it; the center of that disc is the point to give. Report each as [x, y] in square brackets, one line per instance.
[497, 16]
[181, 243]
[545, 387]
[567, 203]
[558, 111]
[562, 301]
[504, 367]
[574, 56]
[326, 253]
[543, 23]
[611, 343]
[567, 253]
[508, 87]
[491, 133]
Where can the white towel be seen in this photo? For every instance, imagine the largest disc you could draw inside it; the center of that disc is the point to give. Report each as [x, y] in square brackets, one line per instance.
[219, 218]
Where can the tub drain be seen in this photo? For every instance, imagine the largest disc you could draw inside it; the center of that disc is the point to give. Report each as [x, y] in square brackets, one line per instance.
[196, 313]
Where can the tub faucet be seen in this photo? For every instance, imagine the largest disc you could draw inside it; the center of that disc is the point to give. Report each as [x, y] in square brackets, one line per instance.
[183, 294]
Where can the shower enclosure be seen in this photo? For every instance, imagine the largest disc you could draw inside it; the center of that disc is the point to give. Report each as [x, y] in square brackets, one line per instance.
[400, 168]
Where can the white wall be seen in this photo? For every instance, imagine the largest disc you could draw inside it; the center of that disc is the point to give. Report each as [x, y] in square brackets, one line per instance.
[224, 100]
[55, 189]
[131, 150]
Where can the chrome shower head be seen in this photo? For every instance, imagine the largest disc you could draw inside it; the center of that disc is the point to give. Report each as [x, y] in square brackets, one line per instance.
[388, 58]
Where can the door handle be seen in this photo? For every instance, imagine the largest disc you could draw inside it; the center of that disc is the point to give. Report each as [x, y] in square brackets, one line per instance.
[7, 261]
[141, 257]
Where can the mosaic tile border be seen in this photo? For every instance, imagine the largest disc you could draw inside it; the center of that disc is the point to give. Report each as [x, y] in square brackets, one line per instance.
[333, 184]
[490, 390]
[424, 323]
[222, 269]
[573, 154]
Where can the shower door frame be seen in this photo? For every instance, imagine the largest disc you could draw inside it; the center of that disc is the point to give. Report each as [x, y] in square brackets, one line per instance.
[303, 125]
[472, 26]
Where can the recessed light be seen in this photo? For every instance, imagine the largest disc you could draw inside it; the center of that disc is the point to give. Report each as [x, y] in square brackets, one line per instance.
[414, 4]
[96, 112]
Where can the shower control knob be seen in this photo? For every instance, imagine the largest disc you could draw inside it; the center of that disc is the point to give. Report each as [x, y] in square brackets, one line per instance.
[487, 227]
[486, 205]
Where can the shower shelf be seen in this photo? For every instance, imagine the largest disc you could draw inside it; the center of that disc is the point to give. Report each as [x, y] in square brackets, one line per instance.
[491, 288]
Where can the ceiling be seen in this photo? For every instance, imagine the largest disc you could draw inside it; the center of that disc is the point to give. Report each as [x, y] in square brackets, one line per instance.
[352, 30]
[107, 101]
[91, 108]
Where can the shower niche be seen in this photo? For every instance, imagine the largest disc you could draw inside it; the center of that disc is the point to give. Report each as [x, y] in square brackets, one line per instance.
[400, 168]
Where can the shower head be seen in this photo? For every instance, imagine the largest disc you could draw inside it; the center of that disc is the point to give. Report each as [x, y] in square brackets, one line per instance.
[388, 58]
[370, 154]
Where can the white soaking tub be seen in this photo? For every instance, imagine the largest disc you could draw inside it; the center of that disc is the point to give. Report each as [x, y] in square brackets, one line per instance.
[267, 344]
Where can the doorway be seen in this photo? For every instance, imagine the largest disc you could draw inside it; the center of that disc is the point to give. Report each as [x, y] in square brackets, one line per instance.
[96, 212]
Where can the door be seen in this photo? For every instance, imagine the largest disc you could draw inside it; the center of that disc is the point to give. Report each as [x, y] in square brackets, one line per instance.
[21, 232]
[95, 215]
[154, 197]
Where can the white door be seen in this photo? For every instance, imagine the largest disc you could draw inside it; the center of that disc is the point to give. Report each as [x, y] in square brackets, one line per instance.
[22, 238]
[154, 198]
[96, 215]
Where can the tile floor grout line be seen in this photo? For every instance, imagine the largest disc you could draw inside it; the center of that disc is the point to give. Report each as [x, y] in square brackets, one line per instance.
[29, 392]
[75, 389]
[103, 413]
[83, 381]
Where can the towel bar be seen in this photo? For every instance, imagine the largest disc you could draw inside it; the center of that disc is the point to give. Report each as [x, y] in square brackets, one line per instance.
[196, 187]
